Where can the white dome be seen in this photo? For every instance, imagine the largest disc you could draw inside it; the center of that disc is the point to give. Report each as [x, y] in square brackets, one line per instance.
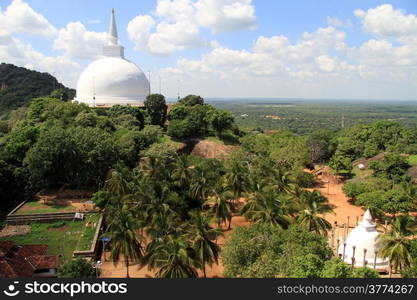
[364, 236]
[113, 79]
[110, 81]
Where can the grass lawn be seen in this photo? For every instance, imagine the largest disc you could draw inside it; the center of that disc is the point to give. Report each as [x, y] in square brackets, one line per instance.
[168, 140]
[412, 160]
[89, 230]
[363, 174]
[214, 139]
[62, 237]
[40, 208]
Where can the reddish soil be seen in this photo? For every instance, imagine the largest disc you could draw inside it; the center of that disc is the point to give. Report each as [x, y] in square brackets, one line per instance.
[210, 149]
[110, 270]
[63, 228]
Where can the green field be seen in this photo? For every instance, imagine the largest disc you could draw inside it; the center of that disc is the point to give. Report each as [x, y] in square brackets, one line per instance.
[40, 208]
[62, 237]
[305, 116]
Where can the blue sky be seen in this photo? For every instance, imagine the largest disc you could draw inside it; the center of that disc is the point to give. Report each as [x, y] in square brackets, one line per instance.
[300, 48]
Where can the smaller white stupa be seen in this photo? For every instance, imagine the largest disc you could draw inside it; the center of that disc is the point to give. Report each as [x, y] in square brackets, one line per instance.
[361, 244]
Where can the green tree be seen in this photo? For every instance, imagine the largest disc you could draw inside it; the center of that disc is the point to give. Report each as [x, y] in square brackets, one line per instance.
[78, 268]
[336, 268]
[395, 243]
[181, 129]
[365, 272]
[221, 121]
[313, 204]
[266, 207]
[191, 100]
[220, 207]
[125, 240]
[320, 145]
[156, 108]
[173, 257]
[309, 266]
[342, 166]
[202, 237]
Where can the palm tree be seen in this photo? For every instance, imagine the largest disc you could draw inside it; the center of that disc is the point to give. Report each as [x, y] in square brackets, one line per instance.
[410, 192]
[182, 172]
[162, 222]
[173, 257]
[312, 204]
[201, 235]
[122, 229]
[236, 179]
[220, 207]
[283, 181]
[265, 206]
[200, 185]
[116, 184]
[395, 243]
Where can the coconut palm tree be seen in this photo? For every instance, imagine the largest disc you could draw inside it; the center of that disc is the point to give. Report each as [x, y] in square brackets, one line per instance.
[182, 173]
[201, 235]
[220, 207]
[199, 188]
[395, 243]
[265, 206]
[312, 204]
[116, 184]
[236, 179]
[173, 257]
[122, 229]
[283, 181]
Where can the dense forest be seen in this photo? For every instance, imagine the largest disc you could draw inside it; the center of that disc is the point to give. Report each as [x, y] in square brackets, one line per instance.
[19, 85]
[305, 116]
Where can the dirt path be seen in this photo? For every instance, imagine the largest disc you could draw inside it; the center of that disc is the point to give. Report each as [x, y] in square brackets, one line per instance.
[342, 208]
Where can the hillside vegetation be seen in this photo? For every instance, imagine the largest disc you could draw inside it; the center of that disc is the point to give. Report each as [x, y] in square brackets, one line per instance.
[166, 210]
[19, 85]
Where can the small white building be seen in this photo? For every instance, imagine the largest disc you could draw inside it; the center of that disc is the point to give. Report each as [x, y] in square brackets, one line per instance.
[112, 80]
[361, 244]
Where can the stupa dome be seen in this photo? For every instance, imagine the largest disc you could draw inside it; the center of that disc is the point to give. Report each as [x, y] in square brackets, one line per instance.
[112, 79]
[364, 236]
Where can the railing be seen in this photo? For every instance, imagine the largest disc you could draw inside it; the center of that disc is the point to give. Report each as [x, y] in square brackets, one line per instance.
[42, 218]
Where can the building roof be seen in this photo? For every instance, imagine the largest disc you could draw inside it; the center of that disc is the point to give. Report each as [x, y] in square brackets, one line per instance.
[22, 261]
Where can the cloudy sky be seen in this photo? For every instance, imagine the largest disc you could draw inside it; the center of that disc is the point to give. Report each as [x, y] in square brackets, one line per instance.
[356, 49]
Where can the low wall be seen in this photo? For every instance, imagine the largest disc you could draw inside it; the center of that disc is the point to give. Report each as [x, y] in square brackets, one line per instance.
[94, 245]
[41, 218]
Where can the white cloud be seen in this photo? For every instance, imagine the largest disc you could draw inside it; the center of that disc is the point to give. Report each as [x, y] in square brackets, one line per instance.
[325, 63]
[14, 51]
[226, 15]
[178, 24]
[19, 17]
[170, 38]
[77, 42]
[387, 22]
[334, 21]
[139, 30]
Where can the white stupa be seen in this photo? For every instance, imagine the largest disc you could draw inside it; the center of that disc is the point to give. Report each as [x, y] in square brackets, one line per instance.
[112, 79]
[363, 236]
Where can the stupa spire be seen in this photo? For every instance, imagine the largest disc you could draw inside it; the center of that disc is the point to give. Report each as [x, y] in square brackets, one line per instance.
[113, 37]
[113, 48]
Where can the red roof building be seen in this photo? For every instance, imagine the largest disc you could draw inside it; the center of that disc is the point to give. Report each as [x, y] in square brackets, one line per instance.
[26, 261]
